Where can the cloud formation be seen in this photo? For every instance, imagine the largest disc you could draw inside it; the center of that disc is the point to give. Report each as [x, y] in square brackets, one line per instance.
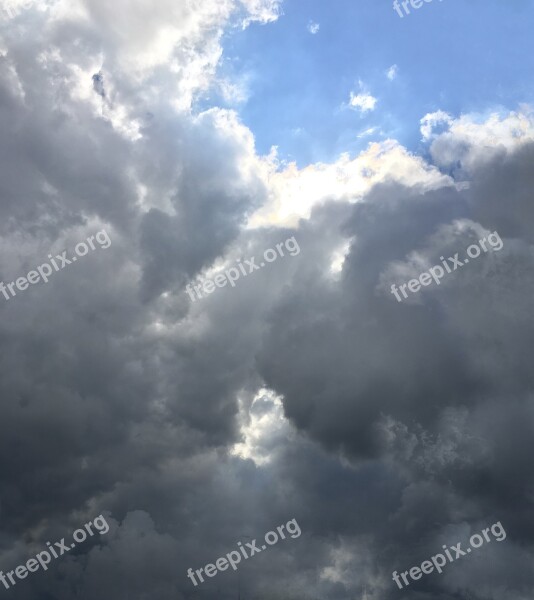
[307, 391]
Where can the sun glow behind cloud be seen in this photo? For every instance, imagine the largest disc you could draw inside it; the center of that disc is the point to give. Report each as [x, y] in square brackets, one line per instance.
[262, 424]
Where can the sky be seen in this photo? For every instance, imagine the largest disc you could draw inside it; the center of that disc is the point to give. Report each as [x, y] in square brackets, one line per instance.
[453, 57]
[266, 263]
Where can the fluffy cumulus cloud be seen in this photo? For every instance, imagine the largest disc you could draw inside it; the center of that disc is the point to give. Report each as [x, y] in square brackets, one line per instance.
[307, 391]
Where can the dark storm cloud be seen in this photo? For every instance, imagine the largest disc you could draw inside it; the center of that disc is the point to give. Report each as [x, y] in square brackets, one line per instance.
[410, 422]
[101, 412]
[209, 194]
[371, 377]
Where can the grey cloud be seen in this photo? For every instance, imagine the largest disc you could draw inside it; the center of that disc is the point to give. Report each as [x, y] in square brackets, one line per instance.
[407, 425]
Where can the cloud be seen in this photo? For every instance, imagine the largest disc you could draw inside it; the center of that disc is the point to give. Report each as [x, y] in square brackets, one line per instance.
[313, 28]
[294, 192]
[392, 72]
[431, 121]
[264, 11]
[351, 379]
[367, 132]
[362, 102]
[386, 430]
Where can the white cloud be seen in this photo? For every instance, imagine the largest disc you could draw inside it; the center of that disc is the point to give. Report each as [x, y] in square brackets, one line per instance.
[472, 139]
[392, 72]
[263, 11]
[364, 101]
[338, 257]
[313, 28]
[367, 132]
[235, 92]
[182, 39]
[431, 121]
[262, 426]
[293, 192]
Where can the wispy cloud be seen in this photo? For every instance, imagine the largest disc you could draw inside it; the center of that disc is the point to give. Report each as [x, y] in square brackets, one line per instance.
[313, 28]
[367, 132]
[392, 72]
